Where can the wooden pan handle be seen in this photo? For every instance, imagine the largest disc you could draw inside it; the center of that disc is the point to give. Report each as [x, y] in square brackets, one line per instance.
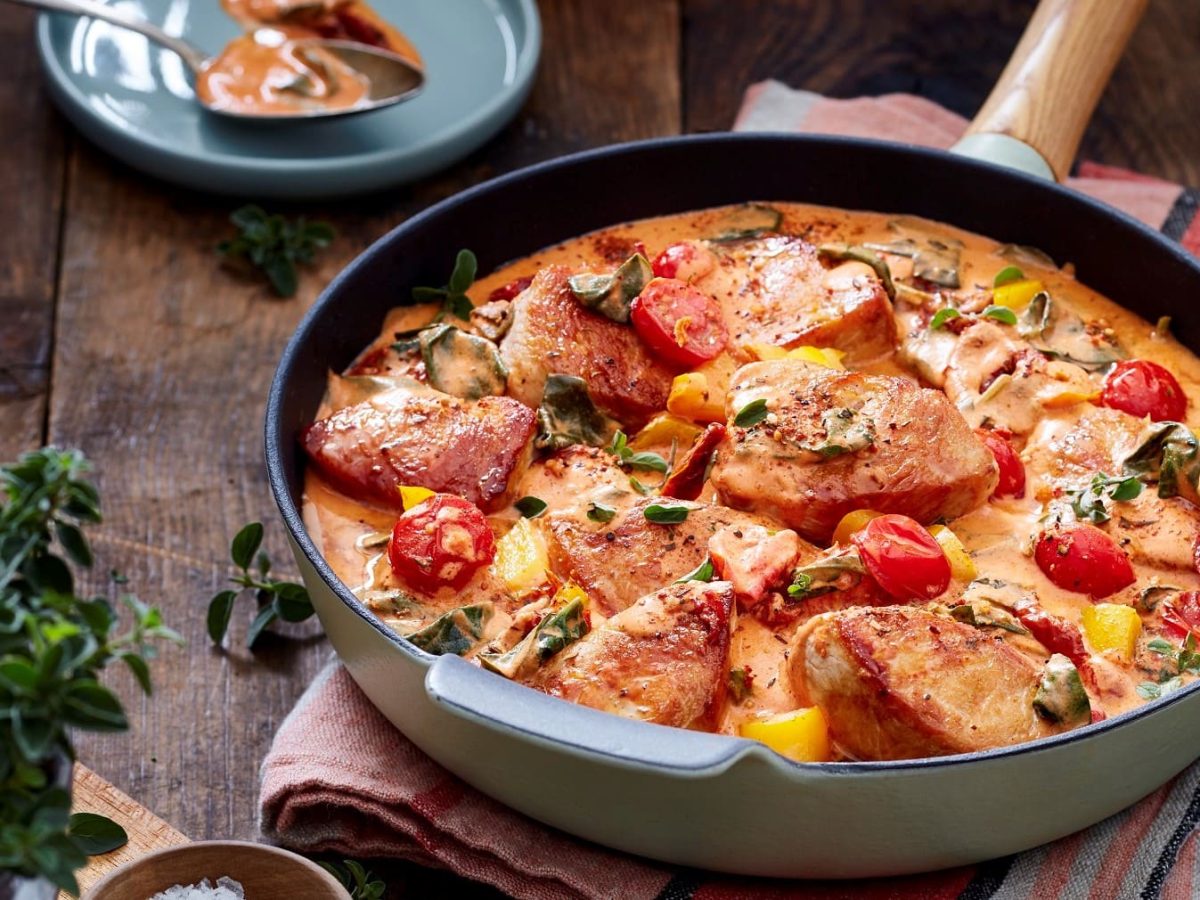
[1048, 90]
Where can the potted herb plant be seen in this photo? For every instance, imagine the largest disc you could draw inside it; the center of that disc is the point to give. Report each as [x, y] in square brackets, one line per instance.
[53, 646]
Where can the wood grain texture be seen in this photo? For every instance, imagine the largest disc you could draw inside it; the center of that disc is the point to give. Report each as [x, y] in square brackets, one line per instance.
[147, 832]
[1047, 92]
[31, 189]
[951, 53]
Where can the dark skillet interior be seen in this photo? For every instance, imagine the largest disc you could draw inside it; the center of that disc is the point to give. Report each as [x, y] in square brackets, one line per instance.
[520, 213]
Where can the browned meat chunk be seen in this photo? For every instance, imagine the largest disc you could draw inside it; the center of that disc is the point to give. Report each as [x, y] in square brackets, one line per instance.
[900, 683]
[776, 291]
[551, 332]
[832, 442]
[662, 660]
[428, 439]
[618, 561]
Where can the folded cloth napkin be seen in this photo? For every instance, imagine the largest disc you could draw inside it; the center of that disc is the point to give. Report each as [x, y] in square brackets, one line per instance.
[340, 778]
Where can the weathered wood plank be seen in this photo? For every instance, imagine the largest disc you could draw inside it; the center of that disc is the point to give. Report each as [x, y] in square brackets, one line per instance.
[31, 189]
[949, 52]
[162, 366]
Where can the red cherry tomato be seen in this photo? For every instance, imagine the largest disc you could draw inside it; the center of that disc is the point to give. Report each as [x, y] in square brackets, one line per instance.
[1083, 559]
[1143, 388]
[511, 290]
[679, 322]
[903, 558]
[1012, 471]
[1054, 633]
[441, 543]
[1182, 613]
[685, 261]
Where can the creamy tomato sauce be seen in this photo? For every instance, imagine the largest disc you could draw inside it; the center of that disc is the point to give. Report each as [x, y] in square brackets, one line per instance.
[274, 69]
[1046, 404]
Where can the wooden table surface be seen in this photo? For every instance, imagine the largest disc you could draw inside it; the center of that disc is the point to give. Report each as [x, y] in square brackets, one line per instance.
[120, 334]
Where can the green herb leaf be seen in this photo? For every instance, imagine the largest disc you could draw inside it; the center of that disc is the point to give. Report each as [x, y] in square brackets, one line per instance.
[612, 294]
[265, 617]
[141, 671]
[702, 572]
[662, 514]
[95, 834]
[750, 220]
[453, 295]
[1007, 275]
[626, 457]
[598, 512]
[361, 884]
[273, 245]
[740, 684]
[864, 255]
[1001, 314]
[245, 544]
[751, 414]
[454, 632]
[530, 507]
[1089, 503]
[942, 316]
[568, 416]
[639, 487]
[1148, 690]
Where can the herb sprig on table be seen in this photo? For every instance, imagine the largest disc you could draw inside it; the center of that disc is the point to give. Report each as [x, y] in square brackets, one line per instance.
[54, 644]
[284, 600]
[274, 246]
[358, 880]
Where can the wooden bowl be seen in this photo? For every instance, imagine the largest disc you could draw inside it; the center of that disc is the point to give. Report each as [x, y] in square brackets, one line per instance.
[266, 873]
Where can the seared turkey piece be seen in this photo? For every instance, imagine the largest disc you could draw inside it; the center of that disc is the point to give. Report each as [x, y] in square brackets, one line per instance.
[900, 682]
[833, 442]
[663, 660]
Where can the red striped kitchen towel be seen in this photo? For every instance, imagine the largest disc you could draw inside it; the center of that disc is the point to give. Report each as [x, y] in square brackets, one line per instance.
[340, 778]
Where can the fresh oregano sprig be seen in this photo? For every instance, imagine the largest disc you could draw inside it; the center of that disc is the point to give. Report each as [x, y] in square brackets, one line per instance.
[284, 600]
[274, 246]
[357, 879]
[1089, 503]
[453, 295]
[627, 457]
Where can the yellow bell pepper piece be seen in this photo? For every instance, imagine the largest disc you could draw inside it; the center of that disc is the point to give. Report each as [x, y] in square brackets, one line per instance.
[691, 399]
[1016, 294]
[521, 557]
[801, 735]
[1112, 626]
[570, 592]
[411, 495]
[663, 429]
[821, 356]
[853, 522]
[962, 567]
[1070, 398]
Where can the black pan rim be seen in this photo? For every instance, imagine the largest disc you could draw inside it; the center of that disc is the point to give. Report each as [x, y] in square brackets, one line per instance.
[275, 438]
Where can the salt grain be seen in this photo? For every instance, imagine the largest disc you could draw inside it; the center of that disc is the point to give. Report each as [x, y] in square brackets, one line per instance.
[225, 889]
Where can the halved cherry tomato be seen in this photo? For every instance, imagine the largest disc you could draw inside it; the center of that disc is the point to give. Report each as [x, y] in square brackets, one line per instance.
[1053, 632]
[1012, 471]
[1083, 559]
[679, 322]
[441, 542]
[1182, 613]
[685, 261]
[1143, 388]
[904, 558]
[511, 290]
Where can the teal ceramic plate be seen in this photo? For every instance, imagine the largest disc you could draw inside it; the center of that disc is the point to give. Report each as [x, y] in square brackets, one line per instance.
[135, 100]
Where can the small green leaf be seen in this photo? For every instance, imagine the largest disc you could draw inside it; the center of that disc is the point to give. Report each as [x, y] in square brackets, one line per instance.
[1161, 647]
[800, 585]
[460, 306]
[89, 704]
[1126, 490]
[74, 543]
[702, 572]
[1008, 275]
[292, 602]
[598, 512]
[265, 617]
[1148, 690]
[530, 507]
[662, 514]
[245, 544]
[942, 316]
[282, 276]
[95, 834]
[141, 671]
[1001, 314]
[751, 414]
[649, 461]
[639, 487]
[220, 608]
[463, 276]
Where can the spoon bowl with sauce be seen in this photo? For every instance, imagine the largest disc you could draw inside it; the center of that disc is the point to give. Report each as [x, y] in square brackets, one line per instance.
[275, 73]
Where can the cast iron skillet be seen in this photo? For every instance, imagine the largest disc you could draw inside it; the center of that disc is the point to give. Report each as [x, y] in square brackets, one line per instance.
[710, 800]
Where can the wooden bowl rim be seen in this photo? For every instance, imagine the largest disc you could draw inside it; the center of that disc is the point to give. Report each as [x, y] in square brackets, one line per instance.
[96, 891]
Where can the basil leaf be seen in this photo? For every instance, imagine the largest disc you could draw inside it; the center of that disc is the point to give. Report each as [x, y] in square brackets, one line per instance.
[613, 294]
[751, 414]
[462, 364]
[942, 316]
[1001, 314]
[568, 416]
[1007, 275]
[750, 220]
[702, 572]
[1060, 697]
[853, 253]
[598, 512]
[530, 507]
[1035, 318]
[245, 544]
[651, 461]
[554, 633]
[95, 834]
[454, 632]
[220, 608]
[661, 514]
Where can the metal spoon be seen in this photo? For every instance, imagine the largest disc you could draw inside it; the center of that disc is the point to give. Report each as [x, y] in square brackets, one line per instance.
[391, 78]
